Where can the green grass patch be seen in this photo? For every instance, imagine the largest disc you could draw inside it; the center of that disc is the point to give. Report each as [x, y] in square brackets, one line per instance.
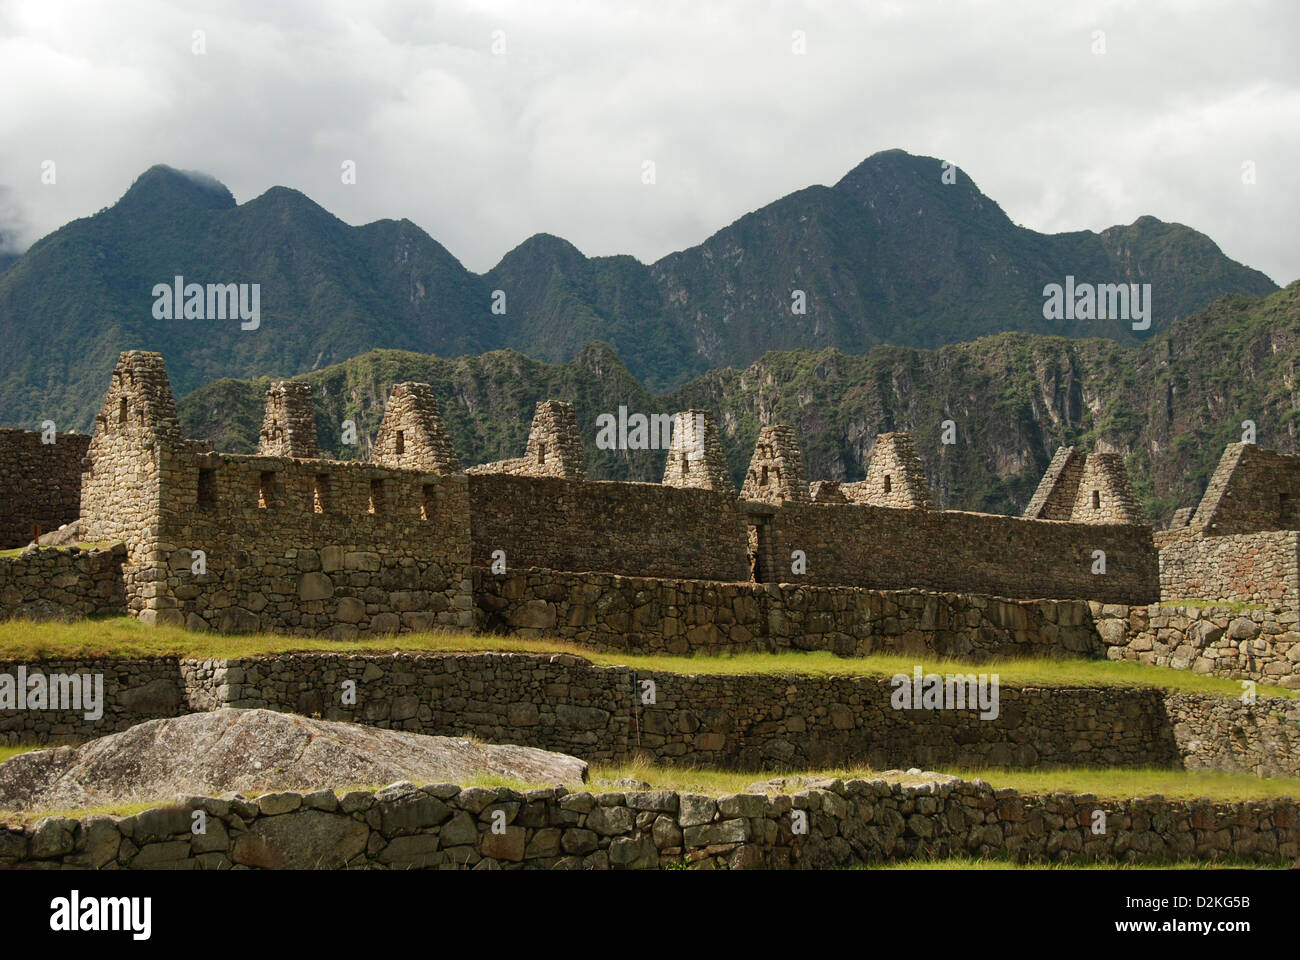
[125, 637]
[1106, 783]
[7, 752]
[1118, 783]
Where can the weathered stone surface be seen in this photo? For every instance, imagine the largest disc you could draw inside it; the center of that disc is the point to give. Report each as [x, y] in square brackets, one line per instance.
[306, 840]
[254, 750]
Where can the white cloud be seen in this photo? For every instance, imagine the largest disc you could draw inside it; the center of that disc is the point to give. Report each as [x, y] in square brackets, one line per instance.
[483, 150]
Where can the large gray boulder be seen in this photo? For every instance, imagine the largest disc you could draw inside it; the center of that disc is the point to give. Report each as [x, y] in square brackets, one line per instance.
[254, 752]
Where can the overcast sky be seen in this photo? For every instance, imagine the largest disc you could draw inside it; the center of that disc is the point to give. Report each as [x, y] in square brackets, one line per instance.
[484, 148]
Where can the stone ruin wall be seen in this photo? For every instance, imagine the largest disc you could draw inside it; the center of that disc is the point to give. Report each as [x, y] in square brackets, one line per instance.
[1254, 568]
[739, 722]
[309, 547]
[895, 477]
[849, 824]
[412, 436]
[1252, 490]
[674, 530]
[289, 426]
[1242, 543]
[640, 529]
[695, 459]
[895, 549]
[692, 617]
[776, 472]
[554, 447]
[63, 583]
[1086, 488]
[1243, 644]
[40, 483]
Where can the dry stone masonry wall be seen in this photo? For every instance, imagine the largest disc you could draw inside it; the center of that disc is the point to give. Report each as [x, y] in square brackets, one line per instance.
[412, 435]
[560, 702]
[644, 615]
[888, 549]
[1092, 488]
[1261, 568]
[1256, 644]
[62, 583]
[289, 427]
[741, 721]
[554, 447]
[695, 457]
[829, 823]
[895, 477]
[40, 483]
[308, 547]
[144, 484]
[645, 529]
[776, 470]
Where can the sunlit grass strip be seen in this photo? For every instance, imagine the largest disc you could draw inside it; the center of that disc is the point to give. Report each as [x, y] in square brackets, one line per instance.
[125, 637]
[1106, 783]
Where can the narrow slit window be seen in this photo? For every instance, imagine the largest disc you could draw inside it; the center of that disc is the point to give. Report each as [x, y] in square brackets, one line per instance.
[121, 410]
[429, 502]
[762, 479]
[266, 490]
[321, 500]
[401, 442]
[207, 492]
[376, 497]
[541, 452]
[889, 483]
[1096, 500]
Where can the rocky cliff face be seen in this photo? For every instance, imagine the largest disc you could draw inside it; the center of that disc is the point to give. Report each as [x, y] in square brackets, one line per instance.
[1168, 406]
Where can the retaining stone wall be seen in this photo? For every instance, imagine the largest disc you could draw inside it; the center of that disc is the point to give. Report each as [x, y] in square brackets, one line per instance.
[646, 615]
[1254, 644]
[62, 582]
[561, 702]
[404, 827]
[133, 691]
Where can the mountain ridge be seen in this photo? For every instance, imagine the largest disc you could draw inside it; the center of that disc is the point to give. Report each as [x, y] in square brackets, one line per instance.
[889, 254]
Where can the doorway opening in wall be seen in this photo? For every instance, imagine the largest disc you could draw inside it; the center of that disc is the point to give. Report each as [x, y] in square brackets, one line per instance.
[760, 551]
[429, 504]
[376, 497]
